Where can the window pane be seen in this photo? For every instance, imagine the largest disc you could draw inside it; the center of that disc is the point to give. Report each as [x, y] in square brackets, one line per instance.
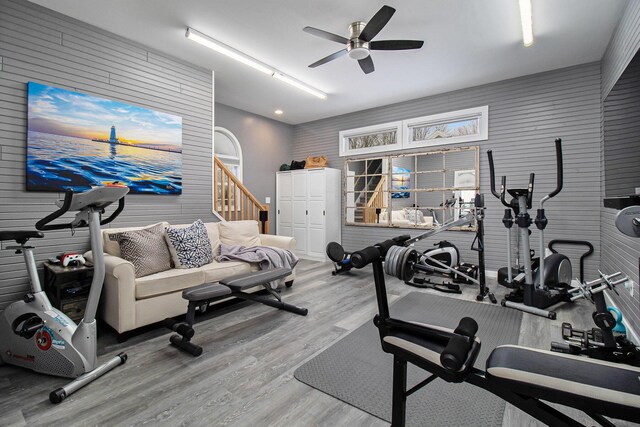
[373, 140]
[225, 146]
[445, 129]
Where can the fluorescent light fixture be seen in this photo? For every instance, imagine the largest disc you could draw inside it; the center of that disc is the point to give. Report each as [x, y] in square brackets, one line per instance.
[296, 83]
[527, 22]
[224, 49]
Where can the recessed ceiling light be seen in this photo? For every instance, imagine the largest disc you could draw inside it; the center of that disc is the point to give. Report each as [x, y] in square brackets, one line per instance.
[278, 112]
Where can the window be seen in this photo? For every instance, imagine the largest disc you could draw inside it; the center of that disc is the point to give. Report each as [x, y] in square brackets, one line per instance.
[419, 190]
[453, 127]
[448, 128]
[227, 148]
[371, 139]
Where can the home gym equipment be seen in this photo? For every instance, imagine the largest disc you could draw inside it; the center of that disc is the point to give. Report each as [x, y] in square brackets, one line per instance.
[555, 269]
[200, 297]
[600, 342]
[34, 334]
[342, 258]
[404, 261]
[521, 376]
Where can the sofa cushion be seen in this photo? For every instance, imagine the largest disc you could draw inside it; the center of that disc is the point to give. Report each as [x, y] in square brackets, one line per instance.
[112, 247]
[241, 233]
[213, 231]
[146, 249]
[189, 246]
[216, 271]
[168, 281]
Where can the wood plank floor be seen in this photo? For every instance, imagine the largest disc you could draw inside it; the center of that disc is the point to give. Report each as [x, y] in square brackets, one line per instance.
[245, 375]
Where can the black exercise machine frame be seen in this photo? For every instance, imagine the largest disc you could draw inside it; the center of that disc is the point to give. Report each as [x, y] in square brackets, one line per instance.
[200, 297]
[459, 343]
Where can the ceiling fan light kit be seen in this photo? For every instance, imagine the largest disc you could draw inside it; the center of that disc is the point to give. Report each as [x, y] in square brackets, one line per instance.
[243, 58]
[359, 44]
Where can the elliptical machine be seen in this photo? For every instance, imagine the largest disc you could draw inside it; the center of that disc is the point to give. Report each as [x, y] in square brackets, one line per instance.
[533, 295]
[34, 334]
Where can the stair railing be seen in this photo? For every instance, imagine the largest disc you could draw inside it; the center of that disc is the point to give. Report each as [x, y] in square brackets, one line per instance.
[233, 201]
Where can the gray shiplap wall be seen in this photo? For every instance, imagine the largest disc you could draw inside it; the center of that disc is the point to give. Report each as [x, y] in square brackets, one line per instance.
[39, 45]
[619, 252]
[525, 115]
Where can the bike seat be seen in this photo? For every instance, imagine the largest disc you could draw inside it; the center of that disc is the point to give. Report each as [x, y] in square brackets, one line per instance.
[20, 236]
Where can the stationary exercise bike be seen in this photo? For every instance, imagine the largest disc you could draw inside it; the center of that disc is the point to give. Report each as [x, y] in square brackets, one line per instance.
[34, 334]
[537, 288]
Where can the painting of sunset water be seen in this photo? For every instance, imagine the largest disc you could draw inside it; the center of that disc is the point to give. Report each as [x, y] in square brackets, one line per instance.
[79, 141]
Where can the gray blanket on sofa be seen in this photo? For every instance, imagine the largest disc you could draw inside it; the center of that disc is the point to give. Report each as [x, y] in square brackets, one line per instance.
[266, 257]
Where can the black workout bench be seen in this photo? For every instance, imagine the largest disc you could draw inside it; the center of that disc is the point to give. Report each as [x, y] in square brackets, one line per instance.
[200, 297]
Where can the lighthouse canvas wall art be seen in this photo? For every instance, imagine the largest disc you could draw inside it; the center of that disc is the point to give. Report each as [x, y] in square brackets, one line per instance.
[77, 141]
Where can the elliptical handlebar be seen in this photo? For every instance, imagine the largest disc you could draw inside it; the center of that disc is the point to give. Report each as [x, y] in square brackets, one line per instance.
[492, 175]
[559, 168]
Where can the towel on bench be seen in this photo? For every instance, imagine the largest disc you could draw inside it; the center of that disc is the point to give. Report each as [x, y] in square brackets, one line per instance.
[266, 257]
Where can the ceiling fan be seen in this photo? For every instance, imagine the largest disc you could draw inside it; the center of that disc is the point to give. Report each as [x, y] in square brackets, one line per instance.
[359, 43]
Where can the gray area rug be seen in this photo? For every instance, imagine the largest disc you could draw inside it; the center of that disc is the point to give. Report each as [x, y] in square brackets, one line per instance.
[357, 371]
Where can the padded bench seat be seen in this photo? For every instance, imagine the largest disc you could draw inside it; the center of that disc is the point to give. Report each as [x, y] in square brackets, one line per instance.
[590, 385]
[249, 280]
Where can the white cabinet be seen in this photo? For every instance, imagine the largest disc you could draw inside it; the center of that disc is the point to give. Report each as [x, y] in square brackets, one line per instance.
[308, 207]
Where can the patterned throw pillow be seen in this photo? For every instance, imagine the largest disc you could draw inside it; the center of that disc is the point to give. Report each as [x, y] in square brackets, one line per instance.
[190, 246]
[146, 249]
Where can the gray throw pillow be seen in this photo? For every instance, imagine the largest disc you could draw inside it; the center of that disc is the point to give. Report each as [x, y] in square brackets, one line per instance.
[190, 246]
[146, 249]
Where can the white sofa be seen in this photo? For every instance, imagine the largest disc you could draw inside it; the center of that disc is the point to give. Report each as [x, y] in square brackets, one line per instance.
[399, 218]
[128, 302]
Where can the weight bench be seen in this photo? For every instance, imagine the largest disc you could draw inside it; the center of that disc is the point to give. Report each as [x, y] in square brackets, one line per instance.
[522, 376]
[200, 297]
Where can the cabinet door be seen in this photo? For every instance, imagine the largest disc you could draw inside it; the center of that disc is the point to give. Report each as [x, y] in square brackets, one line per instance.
[285, 218]
[284, 205]
[316, 241]
[300, 224]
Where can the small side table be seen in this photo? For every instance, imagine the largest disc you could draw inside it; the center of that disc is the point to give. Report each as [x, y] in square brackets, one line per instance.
[68, 287]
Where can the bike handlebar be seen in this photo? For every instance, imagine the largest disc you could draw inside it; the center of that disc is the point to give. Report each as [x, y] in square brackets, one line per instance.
[44, 223]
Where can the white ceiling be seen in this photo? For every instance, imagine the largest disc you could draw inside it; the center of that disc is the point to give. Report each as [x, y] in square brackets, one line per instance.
[467, 43]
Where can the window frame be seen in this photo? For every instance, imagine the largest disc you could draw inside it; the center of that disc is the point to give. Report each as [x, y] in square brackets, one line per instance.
[226, 132]
[482, 113]
[370, 130]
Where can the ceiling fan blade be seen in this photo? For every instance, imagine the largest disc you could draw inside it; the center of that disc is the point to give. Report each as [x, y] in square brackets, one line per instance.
[326, 35]
[366, 64]
[331, 57]
[376, 23]
[396, 44]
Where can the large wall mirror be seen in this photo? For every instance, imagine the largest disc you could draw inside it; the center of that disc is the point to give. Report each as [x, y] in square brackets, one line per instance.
[622, 133]
[418, 190]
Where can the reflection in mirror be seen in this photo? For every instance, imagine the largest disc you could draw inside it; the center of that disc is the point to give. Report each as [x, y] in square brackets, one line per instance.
[418, 190]
[621, 133]
[365, 191]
